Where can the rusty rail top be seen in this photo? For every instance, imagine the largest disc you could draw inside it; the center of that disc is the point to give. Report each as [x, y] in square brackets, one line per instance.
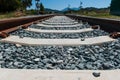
[14, 22]
[109, 25]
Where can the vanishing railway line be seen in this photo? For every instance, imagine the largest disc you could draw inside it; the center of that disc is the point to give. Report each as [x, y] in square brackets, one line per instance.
[58, 43]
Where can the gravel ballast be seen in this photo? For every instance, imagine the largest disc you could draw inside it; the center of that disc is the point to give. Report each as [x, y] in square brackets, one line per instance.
[96, 57]
[24, 33]
[61, 28]
[105, 56]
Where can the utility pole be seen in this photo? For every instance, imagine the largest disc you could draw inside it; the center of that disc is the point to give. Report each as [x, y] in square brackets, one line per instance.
[37, 3]
[81, 5]
[69, 10]
[68, 6]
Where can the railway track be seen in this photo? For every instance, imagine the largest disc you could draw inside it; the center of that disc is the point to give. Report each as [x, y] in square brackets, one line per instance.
[58, 43]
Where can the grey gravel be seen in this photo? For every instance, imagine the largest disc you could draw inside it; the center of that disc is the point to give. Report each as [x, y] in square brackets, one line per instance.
[96, 74]
[24, 33]
[91, 57]
[105, 56]
[61, 28]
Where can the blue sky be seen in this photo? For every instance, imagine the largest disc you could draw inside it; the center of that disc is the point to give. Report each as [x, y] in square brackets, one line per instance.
[61, 4]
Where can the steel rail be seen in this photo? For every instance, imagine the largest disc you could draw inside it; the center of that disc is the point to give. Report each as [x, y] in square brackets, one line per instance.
[9, 25]
[109, 25]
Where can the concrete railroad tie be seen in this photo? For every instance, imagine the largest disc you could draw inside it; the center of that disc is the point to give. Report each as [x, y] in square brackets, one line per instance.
[59, 25]
[22, 74]
[55, 23]
[59, 31]
[60, 42]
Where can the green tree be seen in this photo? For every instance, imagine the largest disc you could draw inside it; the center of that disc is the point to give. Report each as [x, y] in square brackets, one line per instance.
[9, 5]
[115, 7]
[26, 3]
[42, 9]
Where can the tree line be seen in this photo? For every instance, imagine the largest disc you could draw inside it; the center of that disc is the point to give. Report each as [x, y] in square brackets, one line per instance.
[12, 5]
[115, 7]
